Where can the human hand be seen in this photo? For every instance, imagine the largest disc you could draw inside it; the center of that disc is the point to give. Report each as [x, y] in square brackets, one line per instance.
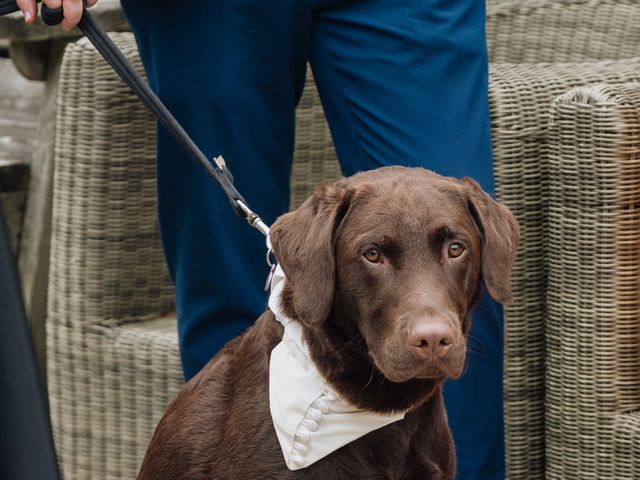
[72, 10]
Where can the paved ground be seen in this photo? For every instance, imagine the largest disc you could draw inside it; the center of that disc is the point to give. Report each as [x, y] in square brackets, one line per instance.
[19, 103]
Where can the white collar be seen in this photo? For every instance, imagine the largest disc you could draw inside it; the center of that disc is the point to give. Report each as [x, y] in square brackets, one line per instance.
[310, 419]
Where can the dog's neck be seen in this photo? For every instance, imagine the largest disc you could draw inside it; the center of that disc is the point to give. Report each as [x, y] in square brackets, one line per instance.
[311, 417]
[340, 354]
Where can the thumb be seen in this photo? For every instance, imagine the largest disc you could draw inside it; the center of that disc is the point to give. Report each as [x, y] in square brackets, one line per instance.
[29, 10]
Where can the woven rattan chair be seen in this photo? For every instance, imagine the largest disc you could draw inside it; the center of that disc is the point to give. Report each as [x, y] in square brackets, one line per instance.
[530, 32]
[113, 360]
[520, 97]
[593, 325]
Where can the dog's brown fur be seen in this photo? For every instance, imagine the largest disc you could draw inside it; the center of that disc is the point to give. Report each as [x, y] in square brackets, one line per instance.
[356, 316]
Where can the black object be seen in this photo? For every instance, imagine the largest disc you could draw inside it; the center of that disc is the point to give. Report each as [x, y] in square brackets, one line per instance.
[26, 444]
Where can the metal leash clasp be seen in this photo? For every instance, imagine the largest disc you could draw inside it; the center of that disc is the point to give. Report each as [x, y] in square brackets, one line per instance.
[252, 218]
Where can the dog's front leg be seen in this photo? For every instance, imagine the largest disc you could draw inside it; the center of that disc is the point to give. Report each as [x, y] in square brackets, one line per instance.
[432, 452]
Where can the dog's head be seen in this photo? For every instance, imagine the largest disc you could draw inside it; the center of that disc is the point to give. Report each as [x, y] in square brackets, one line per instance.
[390, 262]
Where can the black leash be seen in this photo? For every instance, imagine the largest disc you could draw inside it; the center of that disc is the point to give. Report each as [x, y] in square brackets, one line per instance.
[105, 46]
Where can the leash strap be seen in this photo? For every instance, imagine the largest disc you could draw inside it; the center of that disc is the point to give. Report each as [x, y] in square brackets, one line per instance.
[219, 173]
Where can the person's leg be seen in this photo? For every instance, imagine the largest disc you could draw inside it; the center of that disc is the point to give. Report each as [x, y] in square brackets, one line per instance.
[231, 71]
[405, 82]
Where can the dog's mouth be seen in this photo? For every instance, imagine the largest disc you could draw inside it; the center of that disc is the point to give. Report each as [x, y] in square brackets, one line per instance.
[432, 374]
[403, 377]
[406, 368]
[404, 372]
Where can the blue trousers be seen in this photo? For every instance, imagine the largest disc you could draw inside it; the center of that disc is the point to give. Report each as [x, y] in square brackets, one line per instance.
[401, 81]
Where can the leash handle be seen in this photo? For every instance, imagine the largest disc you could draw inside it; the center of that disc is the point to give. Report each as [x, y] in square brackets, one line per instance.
[55, 16]
[50, 16]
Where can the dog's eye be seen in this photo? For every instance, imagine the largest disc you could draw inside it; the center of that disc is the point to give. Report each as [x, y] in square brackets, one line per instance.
[373, 255]
[455, 250]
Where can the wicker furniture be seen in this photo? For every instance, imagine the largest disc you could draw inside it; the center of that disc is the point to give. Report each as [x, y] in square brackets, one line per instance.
[593, 325]
[113, 360]
[534, 33]
[520, 97]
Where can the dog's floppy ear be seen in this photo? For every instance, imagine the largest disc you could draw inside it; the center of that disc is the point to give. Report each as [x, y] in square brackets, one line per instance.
[303, 242]
[500, 236]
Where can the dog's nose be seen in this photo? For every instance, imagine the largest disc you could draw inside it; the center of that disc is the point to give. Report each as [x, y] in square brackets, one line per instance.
[432, 337]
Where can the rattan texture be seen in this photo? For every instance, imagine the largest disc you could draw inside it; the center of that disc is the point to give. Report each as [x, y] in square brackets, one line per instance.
[537, 31]
[520, 96]
[315, 160]
[520, 99]
[554, 31]
[112, 364]
[593, 326]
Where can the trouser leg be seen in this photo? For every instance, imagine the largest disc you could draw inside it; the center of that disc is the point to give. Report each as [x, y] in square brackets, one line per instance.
[231, 71]
[405, 82]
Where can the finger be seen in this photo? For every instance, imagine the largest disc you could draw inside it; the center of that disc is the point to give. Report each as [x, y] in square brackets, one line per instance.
[91, 3]
[72, 14]
[29, 10]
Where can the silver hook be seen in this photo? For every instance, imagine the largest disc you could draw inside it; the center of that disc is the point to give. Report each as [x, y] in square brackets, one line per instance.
[272, 261]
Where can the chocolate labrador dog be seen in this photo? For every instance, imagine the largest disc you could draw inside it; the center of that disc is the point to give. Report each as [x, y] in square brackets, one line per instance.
[382, 271]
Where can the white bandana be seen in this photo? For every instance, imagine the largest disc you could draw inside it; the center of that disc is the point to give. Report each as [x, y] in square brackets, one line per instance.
[310, 419]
